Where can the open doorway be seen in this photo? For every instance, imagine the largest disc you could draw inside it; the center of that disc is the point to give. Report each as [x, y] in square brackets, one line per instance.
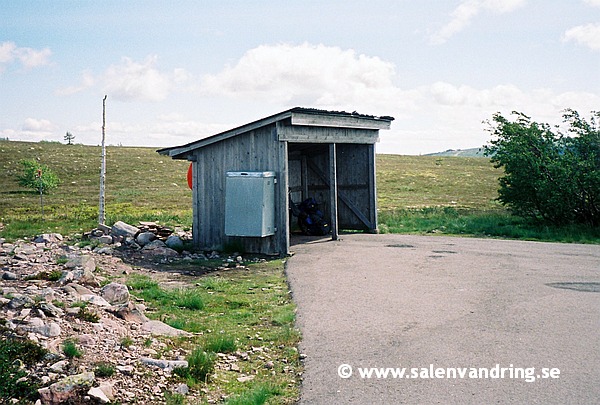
[309, 176]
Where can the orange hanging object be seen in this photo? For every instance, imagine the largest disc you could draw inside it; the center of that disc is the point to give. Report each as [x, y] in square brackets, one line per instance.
[190, 177]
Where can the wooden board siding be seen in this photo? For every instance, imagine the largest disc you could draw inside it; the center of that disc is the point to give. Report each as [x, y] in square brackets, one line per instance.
[308, 134]
[256, 150]
[338, 121]
[354, 182]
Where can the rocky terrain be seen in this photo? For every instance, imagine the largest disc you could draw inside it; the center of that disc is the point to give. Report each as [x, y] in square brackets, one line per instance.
[51, 293]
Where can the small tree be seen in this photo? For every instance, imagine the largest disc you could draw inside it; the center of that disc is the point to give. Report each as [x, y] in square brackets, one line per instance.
[549, 175]
[69, 138]
[37, 176]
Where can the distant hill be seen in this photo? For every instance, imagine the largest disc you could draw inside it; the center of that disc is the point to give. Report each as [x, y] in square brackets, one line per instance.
[472, 152]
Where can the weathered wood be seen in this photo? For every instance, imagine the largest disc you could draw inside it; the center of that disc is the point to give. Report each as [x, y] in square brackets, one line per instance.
[333, 191]
[341, 196]
[338, 121]
[282, 210]
[252, 151]
[306, 134]
[304, 177]
[372, 189]
[101, 210]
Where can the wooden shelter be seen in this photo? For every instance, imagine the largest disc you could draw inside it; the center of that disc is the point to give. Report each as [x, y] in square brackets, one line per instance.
[327, 155]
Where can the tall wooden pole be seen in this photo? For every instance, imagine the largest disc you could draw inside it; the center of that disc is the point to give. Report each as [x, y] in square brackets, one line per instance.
[102, 215]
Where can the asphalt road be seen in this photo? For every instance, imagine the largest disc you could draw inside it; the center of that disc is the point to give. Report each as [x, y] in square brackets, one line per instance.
[393, 301]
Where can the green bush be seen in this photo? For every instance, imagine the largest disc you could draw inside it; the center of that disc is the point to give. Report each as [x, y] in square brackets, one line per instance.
[71, 350]
[548, 175]
[200, 365]
[36, 175]
[104, 369]
[15, 352]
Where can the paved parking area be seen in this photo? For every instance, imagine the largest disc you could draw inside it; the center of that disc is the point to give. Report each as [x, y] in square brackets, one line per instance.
[423, 303]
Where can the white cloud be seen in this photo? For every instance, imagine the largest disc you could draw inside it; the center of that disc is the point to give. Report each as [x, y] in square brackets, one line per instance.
[593, 3]
[32, 129]
[28, 57]
[7, 52]
[587, 35]
[31, 58]
[38, 125]
[300, 74]
[87, 81]
[132, 80]
[462, 16]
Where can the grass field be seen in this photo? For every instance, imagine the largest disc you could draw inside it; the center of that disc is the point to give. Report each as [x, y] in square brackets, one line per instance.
[140, 184]
[416, 194]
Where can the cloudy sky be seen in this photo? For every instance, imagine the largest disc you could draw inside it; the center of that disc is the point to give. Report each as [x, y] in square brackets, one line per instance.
[178, 71]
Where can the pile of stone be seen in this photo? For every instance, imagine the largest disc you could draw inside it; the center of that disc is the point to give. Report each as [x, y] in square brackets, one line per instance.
[45, 288]
[154, 239]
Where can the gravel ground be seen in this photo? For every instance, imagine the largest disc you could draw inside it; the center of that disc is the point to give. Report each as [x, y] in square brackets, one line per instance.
[414, 301]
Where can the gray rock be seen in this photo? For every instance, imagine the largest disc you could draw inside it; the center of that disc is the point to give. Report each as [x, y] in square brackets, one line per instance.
[106, 239]
[182, 389]
[131, 313]
[99, 395]
[8, 275]
[162, 329]
[59, 366]
[115, 293]
[127, 370]
[105, 229]
[50, 309]
[85, 262]
[36, 325]
[163, 252]
[20, 301]
[158, 248]
[96, 300]
[155, 244]
[120, 228]
[49, 238]
[174, 242]
[164, 364]
[76, 290]
[66, 389]
[144, 238]
[106, 250]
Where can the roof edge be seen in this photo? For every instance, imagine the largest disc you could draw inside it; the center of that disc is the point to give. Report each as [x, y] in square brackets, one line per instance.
[181, 152]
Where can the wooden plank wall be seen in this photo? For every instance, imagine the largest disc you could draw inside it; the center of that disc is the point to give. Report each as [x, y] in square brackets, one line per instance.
[354, 177]
[257, 150]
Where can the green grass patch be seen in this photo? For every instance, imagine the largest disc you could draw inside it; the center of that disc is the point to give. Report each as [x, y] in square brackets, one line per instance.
[498, 224]
[200, 365]
[14, 380]
[71, 350]
[221, 344]
[71, 208]
[455, 196]
[104, 369]
[257, 395]
[242, 310]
